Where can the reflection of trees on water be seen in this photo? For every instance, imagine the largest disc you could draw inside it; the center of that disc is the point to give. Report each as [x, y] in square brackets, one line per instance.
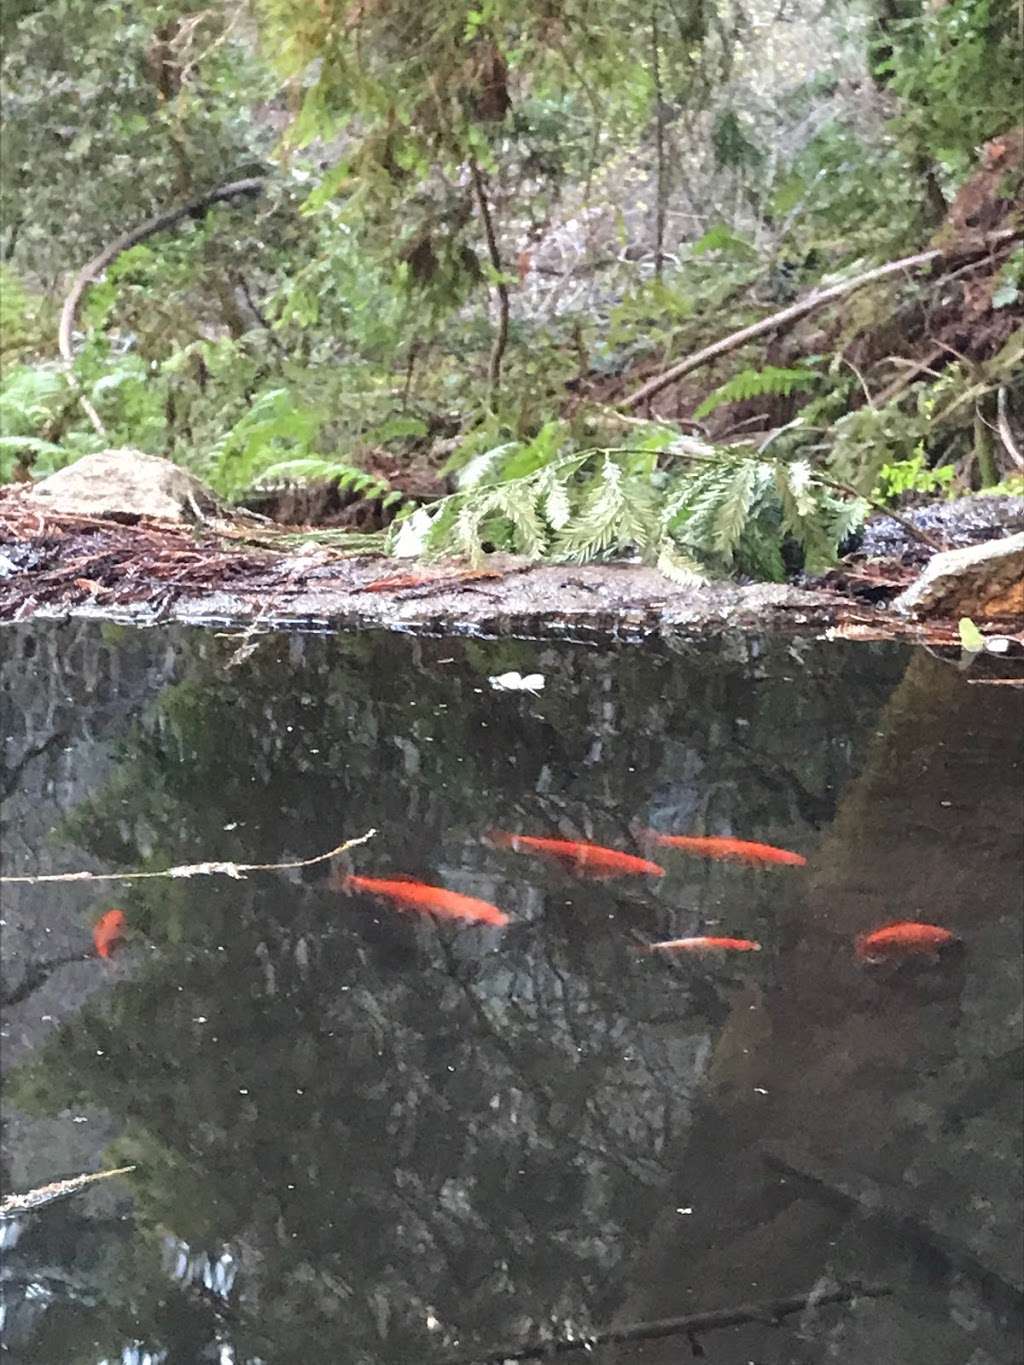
[409, 1133]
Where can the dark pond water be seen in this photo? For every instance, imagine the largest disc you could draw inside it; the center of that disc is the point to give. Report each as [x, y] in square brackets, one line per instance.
[368, 1136]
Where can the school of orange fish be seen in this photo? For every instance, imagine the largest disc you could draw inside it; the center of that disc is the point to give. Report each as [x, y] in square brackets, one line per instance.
[901, 939]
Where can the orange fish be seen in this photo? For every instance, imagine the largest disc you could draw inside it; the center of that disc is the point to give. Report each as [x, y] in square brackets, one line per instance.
[433, 900]
[587, 859]
[108, 931]
[905, 938]
[701, 944]
[741, 850]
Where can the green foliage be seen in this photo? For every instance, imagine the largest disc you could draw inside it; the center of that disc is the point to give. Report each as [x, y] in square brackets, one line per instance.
[912, 476]
[26, 324]
[314, 469]
[344, 313]
[688, 509]
[971, 639]
[110, 113]
[757, 384]
[1010, 281]
[956, 72]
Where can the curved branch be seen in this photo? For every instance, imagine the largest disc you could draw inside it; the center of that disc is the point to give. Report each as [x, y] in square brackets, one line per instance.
[799, 310]
[89, 273]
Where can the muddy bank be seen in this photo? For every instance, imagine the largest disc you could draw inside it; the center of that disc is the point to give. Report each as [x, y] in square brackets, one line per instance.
[57, 563]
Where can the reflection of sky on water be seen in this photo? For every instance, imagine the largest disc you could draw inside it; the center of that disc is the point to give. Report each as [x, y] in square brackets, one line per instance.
[365, 1135]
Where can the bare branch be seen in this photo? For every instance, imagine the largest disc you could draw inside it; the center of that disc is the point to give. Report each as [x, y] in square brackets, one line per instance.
[501, 288]
[690, 1325]
[1005, 434]
[795, 311]
[90, 272]
[223, 869]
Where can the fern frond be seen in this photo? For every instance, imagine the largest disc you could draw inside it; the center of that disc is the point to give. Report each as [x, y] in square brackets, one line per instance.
[467, 529]
[848, 517]
[557, 505]
[732, 513]
[317, 469]
[595, 527]
[481, 466]
[756, 384]
[519, 506]
[681, 568]
[795, 481]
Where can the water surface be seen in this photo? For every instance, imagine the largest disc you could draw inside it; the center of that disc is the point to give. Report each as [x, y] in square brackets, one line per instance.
[366, 1136]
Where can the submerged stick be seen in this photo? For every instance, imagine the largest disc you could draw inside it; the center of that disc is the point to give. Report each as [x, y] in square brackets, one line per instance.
[13, 1204]
[690, 1324]
[236, 870]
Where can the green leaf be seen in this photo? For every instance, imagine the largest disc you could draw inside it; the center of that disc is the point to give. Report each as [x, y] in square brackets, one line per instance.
[723, 239]
[971, 639]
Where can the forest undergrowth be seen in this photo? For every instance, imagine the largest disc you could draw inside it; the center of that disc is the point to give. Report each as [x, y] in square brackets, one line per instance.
[611, 282]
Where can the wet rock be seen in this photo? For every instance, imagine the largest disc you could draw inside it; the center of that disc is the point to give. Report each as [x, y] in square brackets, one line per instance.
[962, 521]
[125, 485]
[983, 581]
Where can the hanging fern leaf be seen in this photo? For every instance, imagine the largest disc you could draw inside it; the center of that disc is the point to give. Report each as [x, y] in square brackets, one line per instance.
[519, 506]
[467, 530]
[482, 466]
[849, 516]
[726, 509]
[796, 482]
[593, 529]
[557, 506]
[679, 567]
[770, 381]
[733, 510]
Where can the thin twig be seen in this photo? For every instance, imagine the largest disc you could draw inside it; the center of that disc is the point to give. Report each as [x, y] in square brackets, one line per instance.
[662, 191]
[501, 288]
[236, 870]
[669, 424]
[1005, 434]
[791, 314]
[691, 1324]
[914, 531]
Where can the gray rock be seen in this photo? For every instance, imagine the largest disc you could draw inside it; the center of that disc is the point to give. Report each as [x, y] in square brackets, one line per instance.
[984, 581]
[126, 484]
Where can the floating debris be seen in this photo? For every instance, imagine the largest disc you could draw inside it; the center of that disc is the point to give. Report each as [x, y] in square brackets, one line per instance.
[13, 1204]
